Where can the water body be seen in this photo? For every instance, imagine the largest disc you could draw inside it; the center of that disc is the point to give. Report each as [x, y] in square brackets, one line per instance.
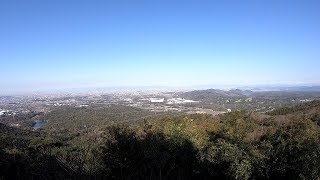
[38, 124]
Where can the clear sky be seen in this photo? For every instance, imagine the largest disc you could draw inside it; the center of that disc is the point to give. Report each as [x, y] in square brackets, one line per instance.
[89, 43]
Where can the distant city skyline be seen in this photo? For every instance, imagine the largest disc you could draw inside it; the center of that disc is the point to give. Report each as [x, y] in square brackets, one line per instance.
[74, 44]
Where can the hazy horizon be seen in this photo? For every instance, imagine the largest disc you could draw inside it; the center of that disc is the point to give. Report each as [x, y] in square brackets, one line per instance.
[61, 45]
[111, 89]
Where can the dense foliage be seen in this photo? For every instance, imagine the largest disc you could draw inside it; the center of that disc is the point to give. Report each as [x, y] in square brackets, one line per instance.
[296, 109]
[79, 119]
[237, 145]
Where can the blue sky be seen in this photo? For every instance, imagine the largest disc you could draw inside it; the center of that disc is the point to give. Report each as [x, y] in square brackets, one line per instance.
[56, 44]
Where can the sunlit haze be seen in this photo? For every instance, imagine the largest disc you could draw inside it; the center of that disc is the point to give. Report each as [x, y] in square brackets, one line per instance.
[85, 44]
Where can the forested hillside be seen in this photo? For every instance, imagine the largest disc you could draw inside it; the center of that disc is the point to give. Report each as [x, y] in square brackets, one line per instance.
[283, 144]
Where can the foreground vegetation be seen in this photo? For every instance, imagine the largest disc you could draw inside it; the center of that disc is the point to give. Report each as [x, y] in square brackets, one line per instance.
[240, 145]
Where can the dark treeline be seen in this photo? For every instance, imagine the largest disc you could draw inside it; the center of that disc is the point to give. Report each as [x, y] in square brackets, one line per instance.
[238, 145]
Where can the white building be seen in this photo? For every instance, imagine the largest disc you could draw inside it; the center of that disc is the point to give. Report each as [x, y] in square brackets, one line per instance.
[179, 101]
[156, 100]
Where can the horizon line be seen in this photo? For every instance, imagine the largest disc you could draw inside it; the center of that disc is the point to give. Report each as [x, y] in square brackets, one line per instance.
[157, 88]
